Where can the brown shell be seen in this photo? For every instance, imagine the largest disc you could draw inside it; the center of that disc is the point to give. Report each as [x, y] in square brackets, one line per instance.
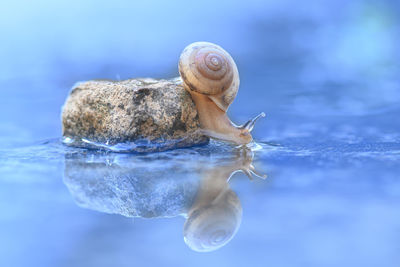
[208, 69]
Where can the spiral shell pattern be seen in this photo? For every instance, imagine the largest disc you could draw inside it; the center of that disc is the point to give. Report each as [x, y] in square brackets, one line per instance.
[211, 227]
[208, 69]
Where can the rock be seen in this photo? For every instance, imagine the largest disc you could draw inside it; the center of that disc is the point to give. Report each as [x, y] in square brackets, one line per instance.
[139, 115]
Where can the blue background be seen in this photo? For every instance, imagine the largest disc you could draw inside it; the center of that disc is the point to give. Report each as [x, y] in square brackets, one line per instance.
[325, 72]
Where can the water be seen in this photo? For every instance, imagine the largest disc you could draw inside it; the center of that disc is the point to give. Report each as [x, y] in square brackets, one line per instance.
[329, 145]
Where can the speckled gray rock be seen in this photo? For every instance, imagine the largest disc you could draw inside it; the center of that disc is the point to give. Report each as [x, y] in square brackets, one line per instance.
[141, 115]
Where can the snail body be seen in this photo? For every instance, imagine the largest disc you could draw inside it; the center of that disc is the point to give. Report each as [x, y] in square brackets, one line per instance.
[211, 77]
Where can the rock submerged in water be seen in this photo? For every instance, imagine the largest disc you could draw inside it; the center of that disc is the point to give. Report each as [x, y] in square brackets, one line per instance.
[138, 115]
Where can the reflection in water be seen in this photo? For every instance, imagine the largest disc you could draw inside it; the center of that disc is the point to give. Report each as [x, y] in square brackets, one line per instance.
[135, 186]
[215, 216]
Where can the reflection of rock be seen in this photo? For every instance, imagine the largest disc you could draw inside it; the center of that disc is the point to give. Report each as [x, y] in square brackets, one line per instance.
[122, 184]
[147, 114]
[122, 188]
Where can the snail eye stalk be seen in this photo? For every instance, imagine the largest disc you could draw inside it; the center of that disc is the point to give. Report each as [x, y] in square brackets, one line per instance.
[249, 125]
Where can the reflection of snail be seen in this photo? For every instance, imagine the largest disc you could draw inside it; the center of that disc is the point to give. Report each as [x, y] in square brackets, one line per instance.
[123, 184]
[216, 215]
[210, 75]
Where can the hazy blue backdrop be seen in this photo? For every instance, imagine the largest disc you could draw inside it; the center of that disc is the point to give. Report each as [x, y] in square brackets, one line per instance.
[326, 73]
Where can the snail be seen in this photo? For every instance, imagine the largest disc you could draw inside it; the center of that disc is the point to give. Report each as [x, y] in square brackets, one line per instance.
[211, 77]
[215, 217]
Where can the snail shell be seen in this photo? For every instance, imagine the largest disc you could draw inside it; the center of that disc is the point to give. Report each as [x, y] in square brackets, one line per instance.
[212, 226]
[208, 69]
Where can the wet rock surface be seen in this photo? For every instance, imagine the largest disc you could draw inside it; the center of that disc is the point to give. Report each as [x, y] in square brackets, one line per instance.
[141, 115]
